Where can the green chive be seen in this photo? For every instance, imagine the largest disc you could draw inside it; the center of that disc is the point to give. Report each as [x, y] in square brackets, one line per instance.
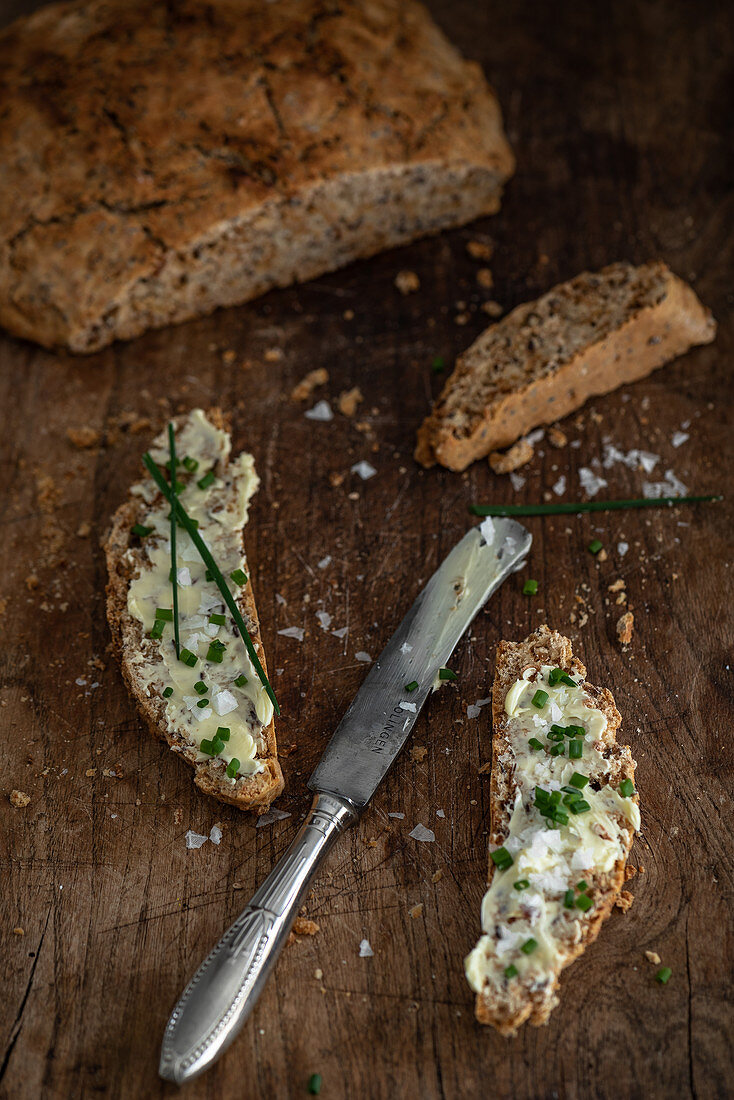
[502, 859]
[539, 699]
[583, 902]
[411, 686]
[566, 509]
[202, 703]
[141, 530]
[664, 975]
[555, 735]
[579, 781]
[560, 817]
[558, 676]
[438, 363]
[218, 620]
[207, 747]
[222, 733]
[167, 692]
[529, 946]
[535, 743]
[558, 750]
[188, 657]
[579, 806]
[521, 884]
[595, 546]
[530, 588]
[575, 749]
[241, 680]
[191, 464]
[233, 767]
[200, 687]
[447, 674]
[314, 1084]
[583, 885]
[174, 488]
[164, 613]
[215, 653]
[239, 577]
[626, 788]
[511, 971]
[157, 629]
[568, 899]
[205, 481]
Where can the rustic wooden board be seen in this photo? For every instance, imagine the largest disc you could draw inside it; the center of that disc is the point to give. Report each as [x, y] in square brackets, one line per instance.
[620, 119]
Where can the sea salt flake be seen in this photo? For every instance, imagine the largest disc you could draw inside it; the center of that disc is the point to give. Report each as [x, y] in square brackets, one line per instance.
[215, 834]
[399, 816]
[622, 548]
[535, 436]
[324, 619]
[280, 599]
[320, 411]
[679, 438]
[224, 702]
[80, 681]
[590, 482]
[420, 832]
[363, 657]
[293, 632]
[324, 562]
[364, 469]
[440, 813]
[487, 530]
[671, 487]
[195, 840]
[184, 576]
[560, 486]
[406, 648]
[408, 706]
[365, 951]
[341, 632]
[517, 481]
[270, 817]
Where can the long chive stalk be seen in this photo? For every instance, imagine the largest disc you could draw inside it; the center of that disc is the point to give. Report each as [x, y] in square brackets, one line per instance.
[178, 508]
[565, 509]
[174, 560]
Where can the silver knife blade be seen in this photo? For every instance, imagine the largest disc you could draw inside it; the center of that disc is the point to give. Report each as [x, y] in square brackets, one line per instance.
[383, 713]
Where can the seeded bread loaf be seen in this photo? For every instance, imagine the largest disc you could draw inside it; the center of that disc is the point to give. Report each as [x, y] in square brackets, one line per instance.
[547, 862]
[147, 663]
[547, 357]
[160, 160]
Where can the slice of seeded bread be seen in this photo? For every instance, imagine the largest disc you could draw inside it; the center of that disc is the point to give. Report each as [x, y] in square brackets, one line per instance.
[125, 559]
[509, 1007]
[547, 357]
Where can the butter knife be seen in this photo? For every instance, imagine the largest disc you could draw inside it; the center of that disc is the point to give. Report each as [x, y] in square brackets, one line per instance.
[223, 992]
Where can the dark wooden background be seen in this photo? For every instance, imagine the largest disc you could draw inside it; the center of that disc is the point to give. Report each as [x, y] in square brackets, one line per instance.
[621, 119]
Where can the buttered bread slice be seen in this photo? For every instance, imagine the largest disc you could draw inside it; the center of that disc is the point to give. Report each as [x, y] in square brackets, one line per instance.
[207, 702]
[564, 812]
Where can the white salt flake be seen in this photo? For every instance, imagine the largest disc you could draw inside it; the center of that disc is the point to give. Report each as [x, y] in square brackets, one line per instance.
[399, 816]
[324, 619]
[671, 487]
[560, 486]
[293, 632]
[622, 548]
[440, 813]
[184, 576]
[224, 702]
[324, 562]
[363, 657]
[80, 681]
[408, 706]
[341, 632]
[582, 859]
[364, 469]
[472, 711]
[405, 648]
[320, 411]
[517, 481]
[535, 436]
[195, 840]
[422, 833]
[215, 834]
[365, 951]
[590, 482]
[270, 817]
[280, 599]
[487, 530]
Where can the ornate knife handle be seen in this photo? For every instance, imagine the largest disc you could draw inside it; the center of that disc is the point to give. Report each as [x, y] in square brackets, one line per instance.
[223, 992]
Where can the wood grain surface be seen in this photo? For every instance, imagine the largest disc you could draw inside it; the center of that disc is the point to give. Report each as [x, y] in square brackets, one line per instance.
[621, 119]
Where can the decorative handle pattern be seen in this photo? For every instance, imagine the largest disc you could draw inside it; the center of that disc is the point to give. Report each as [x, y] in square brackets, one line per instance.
[223, 992]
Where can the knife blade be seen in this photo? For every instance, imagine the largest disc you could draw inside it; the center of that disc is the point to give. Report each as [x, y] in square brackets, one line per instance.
[224, 990]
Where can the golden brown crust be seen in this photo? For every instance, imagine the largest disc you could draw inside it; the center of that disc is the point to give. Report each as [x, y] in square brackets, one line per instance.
[546, 358]
[205, 151]
[250, 792]
[545, 646]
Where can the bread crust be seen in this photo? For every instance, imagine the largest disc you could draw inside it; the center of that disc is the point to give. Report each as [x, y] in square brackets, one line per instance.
[546, 646]
[160, 160]
[254, 792]
[662, 319]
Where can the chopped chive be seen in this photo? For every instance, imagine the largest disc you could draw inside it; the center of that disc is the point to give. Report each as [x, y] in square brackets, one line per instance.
[539, 699]
[218, 620]
[174, 488]
[555, 735]
[565, 509]
[664, 975]
[314, 1084]
[579, 806]
[575, 749]
[560, 817]
[202, 703]
[583, 885]
[200, 687]
[554, 676]
[626, 788]
[205, 481]
[502, 859]
[568, 899]
[188, 657]
[535, 743]
[511, 971]
[164, 613]
[529, 946]
[141, 530]
[558, 750]
[241, 680]
[595, 546]
[233, 767]
[239, 577]
[167, 692]
[207, 747]
[530, 588]
[521, 884]
[215, 653]
[579, 781]
[222, 733]
[583, 902]
[211, 565]
[191, 464]
[447, 674]
[156, 631]
[411, 686]
[438, 363]
[554, 798]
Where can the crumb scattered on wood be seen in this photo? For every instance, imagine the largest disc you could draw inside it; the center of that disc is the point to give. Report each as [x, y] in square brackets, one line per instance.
[18, 932]
[19, 799]
[307, 385]
[624, 901]
[485, 278]
[273, 355]
[625, 627]
[653, 957]
[418, 753]
[617, 585]
[407, 282]
[492, 309]
[416, 911]
[437, 876]
[349, 400]
[229, 356]
[480, 250]
[318, 973]
[518, 455]
[83, 437]
[602, 555]
[557, 438]
[305, 927]
[84, 530]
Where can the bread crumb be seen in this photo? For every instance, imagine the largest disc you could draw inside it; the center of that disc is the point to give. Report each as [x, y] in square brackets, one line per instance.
[485, 278]
[348, 314]
[305, 927]
[336, 479]
[492, 309]
[625, 626]
[416, 911]
[273, 355]
[84, 437]
[318, 973]
[90, 773]
[32, 582]
[418, 753]
[407, 282]
[228, 357]
[624, 901]
[480, 250]
[557, 438]
[84, 530]
[307, 385]
[19, 799]
[461, 319]
[653, 957]
[437, 876]
[602, 555]
[18, 932]
[518, 455]
[617, 586]
[349, 400]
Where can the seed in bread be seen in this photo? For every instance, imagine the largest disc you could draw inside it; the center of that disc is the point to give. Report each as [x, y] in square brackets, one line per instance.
[563, 816]
[547, 357]
[158, 160]
[208, 703]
